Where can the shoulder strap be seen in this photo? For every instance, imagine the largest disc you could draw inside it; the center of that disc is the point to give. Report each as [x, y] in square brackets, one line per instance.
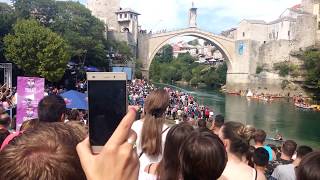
[149, 168]
[256, 174]
[165, 130]
[161, 133]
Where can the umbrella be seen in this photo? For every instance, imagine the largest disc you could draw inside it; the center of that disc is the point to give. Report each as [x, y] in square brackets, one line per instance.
[75, 100]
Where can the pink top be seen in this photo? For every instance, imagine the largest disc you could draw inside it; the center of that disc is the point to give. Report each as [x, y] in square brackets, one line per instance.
[9, 138]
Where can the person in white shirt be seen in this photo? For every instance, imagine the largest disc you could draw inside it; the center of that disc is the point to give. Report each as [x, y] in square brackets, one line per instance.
[151, 130]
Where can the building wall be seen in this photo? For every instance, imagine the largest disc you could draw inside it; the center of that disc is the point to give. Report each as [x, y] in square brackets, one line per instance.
[282, 30]
[256, 32]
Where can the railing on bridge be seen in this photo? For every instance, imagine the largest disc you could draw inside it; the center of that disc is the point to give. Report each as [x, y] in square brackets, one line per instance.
[180, 29]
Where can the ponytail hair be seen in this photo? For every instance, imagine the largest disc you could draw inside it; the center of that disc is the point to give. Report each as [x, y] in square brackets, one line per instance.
[151, 135]
[239, 136]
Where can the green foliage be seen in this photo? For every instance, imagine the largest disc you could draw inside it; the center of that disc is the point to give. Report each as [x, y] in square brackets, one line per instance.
[194, 81]
[259, 69]
[312, 66]
[184, 68]
[138, 73]
[187, 76]
[43, 11]
[285, 68]
[165, 55]
[83, 32]
[7, 19]
[186, 58]
[194, 42]
[121, 47]
[37, 50]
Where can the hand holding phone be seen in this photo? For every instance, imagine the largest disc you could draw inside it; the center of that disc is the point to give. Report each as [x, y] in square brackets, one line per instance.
[117, 160]
[107, 95]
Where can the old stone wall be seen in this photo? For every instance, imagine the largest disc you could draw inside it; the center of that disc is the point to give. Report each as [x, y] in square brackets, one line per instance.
[105, 11]
[143, 45]
[306, 28]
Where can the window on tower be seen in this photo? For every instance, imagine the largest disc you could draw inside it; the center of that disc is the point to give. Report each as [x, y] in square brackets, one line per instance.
[126, 15]
[131, 16]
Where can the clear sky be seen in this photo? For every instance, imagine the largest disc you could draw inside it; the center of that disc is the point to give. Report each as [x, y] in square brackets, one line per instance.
[213, 15]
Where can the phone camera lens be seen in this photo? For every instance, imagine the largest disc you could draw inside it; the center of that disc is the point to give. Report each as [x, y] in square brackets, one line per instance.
[93, 76]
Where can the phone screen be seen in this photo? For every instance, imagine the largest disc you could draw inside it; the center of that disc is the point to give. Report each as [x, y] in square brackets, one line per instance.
[107, 107]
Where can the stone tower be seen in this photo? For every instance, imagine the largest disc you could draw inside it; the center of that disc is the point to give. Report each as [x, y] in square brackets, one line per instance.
[106, 10]
[193, 16]
[308, 5]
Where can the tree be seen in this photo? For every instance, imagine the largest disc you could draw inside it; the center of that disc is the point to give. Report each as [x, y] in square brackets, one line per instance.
[83, 32]
[42, 10]
[186, 58]
[222, 73]
[285, 68]
[7, 19]
[194, 42]
[165, 54]
[37, 50]
[312, 66]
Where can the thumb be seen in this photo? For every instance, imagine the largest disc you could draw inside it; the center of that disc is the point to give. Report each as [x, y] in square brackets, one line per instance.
[84, 152]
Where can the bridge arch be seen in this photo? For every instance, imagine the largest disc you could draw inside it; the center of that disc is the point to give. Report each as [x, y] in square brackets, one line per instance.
[224, 45]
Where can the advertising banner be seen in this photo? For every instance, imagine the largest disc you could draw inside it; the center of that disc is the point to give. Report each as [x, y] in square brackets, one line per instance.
[30, 91]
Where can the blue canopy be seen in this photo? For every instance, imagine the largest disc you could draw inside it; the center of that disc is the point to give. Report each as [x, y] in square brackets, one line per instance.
[75, 100]
[91, 69]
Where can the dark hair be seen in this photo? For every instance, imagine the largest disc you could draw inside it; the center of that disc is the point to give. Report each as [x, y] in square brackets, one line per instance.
[289, 147]
[239, 137]
[309, 167]
[259, 136]
[3, 134]
[303, 150]
[249, 156]
[5, 119]
[261, 157]
[169, 165]
[202, 123]
[51, 108]
[49, 152]
[202, 156]
[219, 120]
[151, 134]
[74, 115]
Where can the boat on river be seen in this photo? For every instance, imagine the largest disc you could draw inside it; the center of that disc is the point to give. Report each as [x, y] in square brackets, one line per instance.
[303, 106]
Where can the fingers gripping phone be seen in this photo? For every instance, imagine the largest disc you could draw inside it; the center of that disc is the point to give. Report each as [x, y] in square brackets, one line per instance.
[107, 96]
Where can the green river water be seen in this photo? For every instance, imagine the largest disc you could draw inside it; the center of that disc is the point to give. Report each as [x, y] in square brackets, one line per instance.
[281, 116]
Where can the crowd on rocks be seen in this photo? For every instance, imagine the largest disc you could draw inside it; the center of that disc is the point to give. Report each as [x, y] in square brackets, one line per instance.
[50, 147]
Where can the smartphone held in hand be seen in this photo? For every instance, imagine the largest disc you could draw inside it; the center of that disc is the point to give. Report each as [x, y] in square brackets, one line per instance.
[107, 96]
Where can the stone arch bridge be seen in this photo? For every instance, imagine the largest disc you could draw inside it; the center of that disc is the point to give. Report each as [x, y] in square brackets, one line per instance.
[150, 44]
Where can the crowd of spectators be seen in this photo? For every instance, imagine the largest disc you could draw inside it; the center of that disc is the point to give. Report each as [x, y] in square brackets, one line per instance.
[50, 147]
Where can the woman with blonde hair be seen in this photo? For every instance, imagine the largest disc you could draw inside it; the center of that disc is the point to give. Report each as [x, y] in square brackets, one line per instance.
[151, 130]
